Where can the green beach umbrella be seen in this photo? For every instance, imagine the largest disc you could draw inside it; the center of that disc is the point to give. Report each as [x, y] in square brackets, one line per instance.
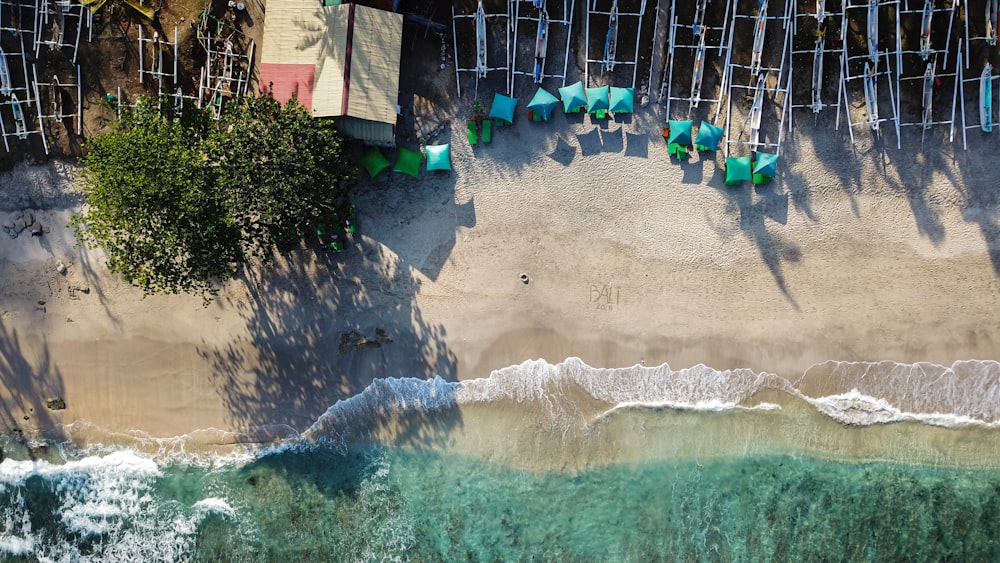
[767, 164]
[573, 97]
[503, 107]
[374, 162]
[408, 162]
[438, 157]
[708, 136]
[597, 99]
[543, 103]
[680, 132]
[737, 170]
[622, 100]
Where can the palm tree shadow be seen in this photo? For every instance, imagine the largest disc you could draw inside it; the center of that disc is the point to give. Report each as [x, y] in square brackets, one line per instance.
[29, 378]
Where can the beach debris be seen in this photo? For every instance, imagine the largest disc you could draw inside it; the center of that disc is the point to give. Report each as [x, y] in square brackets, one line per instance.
[351, 340]
[55, 404]
[75, 289]
[524, 279]
[18, 222]
[60, 267]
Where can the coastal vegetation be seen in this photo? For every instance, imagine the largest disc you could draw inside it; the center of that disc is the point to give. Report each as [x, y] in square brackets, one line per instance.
[181, 202]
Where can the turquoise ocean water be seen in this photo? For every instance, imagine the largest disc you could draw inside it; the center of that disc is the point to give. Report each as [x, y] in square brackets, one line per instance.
[563, 463]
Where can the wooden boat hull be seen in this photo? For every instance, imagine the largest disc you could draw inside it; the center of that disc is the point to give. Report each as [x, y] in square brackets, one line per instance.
[6, 87]
[986, 99]
[927, 99]
[871, 96]
[925, 29]
[873, 30]
[698, 72]
[541, 46]
[20, 124]
[817, 77]
[481, 67]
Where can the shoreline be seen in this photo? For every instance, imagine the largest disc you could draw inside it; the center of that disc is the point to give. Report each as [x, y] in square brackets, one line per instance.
[631, 259]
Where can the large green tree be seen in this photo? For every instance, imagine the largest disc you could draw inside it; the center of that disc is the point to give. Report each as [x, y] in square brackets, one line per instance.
[181, 202]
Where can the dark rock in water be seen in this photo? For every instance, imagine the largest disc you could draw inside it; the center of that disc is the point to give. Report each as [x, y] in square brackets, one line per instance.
[56, 404]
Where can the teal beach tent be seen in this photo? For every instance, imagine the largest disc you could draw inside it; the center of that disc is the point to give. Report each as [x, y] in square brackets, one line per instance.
[598, 99]
[680, 132]
[737, 170]
[765, 167]
[543, 103]
[708, 137]
[573, 97]
[374, 162]
[408, 162]
[503, 108]
[679, 139]
[438, 157]
[622, 100]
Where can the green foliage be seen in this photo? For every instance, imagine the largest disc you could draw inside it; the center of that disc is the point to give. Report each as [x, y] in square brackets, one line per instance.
[181, 202]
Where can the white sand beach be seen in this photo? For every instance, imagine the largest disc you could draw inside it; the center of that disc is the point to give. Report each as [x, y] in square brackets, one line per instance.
[870, 254]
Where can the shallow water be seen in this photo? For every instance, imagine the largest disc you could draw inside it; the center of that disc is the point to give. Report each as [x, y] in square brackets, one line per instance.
[551, 463]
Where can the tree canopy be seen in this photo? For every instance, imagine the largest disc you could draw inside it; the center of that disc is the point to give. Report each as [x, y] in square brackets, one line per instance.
[180, 201]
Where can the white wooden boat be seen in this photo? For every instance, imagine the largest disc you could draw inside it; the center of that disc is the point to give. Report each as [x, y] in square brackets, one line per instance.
[481, 67]
[541, 46]
[611, 41]
[759, 31]
[20, 124]
[56, 99]
[699, 15]
[6, 87]
[817, 76]
[986, 98]
[991, 21]
[927, 99]
[871, 95]
[699, 69]
[873, 30]
[925, 29]
[756, 110]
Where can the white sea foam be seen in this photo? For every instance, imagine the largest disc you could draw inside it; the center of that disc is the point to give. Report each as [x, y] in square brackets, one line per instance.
[108, 501]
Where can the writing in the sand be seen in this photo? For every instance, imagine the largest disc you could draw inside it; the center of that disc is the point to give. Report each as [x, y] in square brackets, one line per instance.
[605, 297]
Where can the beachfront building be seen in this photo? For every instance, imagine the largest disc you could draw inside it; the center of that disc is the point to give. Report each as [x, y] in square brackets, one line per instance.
[341, 61]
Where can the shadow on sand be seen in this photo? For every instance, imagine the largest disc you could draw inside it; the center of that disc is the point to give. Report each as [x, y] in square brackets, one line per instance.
[29, 379]
[321, 327]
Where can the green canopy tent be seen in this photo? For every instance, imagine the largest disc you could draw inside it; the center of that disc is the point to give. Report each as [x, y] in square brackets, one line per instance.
[573, 97]
[598, 100]
[503, 108]
[737, 170]
[764, 167]
[542, 104]
[622, 100]
[408, 162]
[438, 157]
[708, 137]
[374, 162]
[679, 137]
